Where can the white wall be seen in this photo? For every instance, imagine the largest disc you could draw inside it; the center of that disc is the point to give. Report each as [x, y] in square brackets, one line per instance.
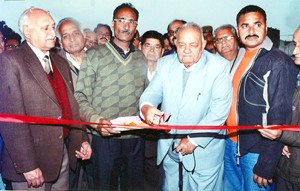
[156, 14]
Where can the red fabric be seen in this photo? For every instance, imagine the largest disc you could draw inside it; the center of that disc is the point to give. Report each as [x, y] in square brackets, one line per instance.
[59, 88]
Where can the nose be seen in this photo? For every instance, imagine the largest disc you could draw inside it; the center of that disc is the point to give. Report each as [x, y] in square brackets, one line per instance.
[126, 25]
[251, 30]
[187, 49]
[72, 37]
[152, 48]
[296, 49]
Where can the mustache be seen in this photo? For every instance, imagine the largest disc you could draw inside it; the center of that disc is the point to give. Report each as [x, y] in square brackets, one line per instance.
[126, 31]
[252, 35]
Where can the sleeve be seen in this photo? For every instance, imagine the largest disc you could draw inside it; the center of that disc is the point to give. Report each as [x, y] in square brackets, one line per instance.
[290, 138]
[84, 90]
[280, 93]
[16, 136]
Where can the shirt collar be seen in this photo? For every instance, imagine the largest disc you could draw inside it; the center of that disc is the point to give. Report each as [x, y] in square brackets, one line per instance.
[38, 52]
[120, 50]
[191, 68]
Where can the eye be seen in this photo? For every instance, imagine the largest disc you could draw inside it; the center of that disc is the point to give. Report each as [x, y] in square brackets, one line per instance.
[181, 45]
[65, 36]
[121, 21]
[76, 33]
[194, 45]
[243, 26]
[45, 28]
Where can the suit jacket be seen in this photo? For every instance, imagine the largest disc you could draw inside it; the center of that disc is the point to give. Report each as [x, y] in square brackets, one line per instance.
[26, 90]
[205, 100]
[74, 71]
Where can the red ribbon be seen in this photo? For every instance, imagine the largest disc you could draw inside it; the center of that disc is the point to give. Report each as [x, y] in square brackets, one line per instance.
[12, 118]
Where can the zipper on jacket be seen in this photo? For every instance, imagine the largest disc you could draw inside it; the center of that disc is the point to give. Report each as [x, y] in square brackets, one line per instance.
[238, 154]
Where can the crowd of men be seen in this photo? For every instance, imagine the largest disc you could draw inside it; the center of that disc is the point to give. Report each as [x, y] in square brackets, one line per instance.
[184, 80]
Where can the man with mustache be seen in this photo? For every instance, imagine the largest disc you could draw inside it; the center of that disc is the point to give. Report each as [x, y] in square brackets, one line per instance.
[37, 82]
[111, 79]
[263, 81]
[103, 33]
[172, 29]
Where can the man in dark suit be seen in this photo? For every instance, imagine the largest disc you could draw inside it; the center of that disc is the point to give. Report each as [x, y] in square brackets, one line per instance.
[36, 155]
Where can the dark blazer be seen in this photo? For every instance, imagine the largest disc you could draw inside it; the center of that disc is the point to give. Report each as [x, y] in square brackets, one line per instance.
[25, 90]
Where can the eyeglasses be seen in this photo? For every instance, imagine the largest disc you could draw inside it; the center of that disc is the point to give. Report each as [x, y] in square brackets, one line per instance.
[122, 21]
[12, 46]
[223, 39]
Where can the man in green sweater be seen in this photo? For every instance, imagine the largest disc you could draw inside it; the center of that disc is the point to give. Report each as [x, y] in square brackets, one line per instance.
[111, 79]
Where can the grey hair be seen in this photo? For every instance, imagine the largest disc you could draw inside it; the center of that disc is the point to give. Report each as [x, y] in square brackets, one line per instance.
[226, 26]
[100, 25]
[24, 18]
[190, 25]
[67, 19]
[87, 30]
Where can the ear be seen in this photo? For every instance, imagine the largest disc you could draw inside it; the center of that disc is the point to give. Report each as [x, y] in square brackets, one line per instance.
[26, 31]
[237, 32]
[204, 42]
[112, 25]
[162, 51]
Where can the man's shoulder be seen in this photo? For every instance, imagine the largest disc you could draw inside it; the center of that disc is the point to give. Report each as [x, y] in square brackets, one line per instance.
[99, 50]
[215, 61]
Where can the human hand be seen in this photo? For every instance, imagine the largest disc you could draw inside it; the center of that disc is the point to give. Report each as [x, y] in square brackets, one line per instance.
[286, 152]
[85, 151]
[105, 129]
[261, 181]
[271, 134]
[152, 115]
[185, 147]
[34, 178]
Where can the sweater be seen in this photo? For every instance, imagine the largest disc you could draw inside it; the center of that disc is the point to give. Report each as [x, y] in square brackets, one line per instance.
[108, 85]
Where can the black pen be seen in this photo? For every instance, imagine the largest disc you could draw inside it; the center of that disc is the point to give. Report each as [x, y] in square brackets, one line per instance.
[168, 118]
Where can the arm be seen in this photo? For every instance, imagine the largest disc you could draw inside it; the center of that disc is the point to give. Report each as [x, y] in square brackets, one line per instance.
[16, 137]
[84, 96]
[280, 92]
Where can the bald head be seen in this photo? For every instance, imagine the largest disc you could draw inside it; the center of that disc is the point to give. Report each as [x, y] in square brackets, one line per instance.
[38, 28]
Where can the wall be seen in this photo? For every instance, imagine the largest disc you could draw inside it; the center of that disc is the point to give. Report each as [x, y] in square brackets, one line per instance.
[156, 14]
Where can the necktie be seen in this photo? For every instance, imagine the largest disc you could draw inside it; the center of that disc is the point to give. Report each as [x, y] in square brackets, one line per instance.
[47, 64]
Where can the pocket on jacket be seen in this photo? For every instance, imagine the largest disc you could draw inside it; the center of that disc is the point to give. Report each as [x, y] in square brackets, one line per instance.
[253, 89]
